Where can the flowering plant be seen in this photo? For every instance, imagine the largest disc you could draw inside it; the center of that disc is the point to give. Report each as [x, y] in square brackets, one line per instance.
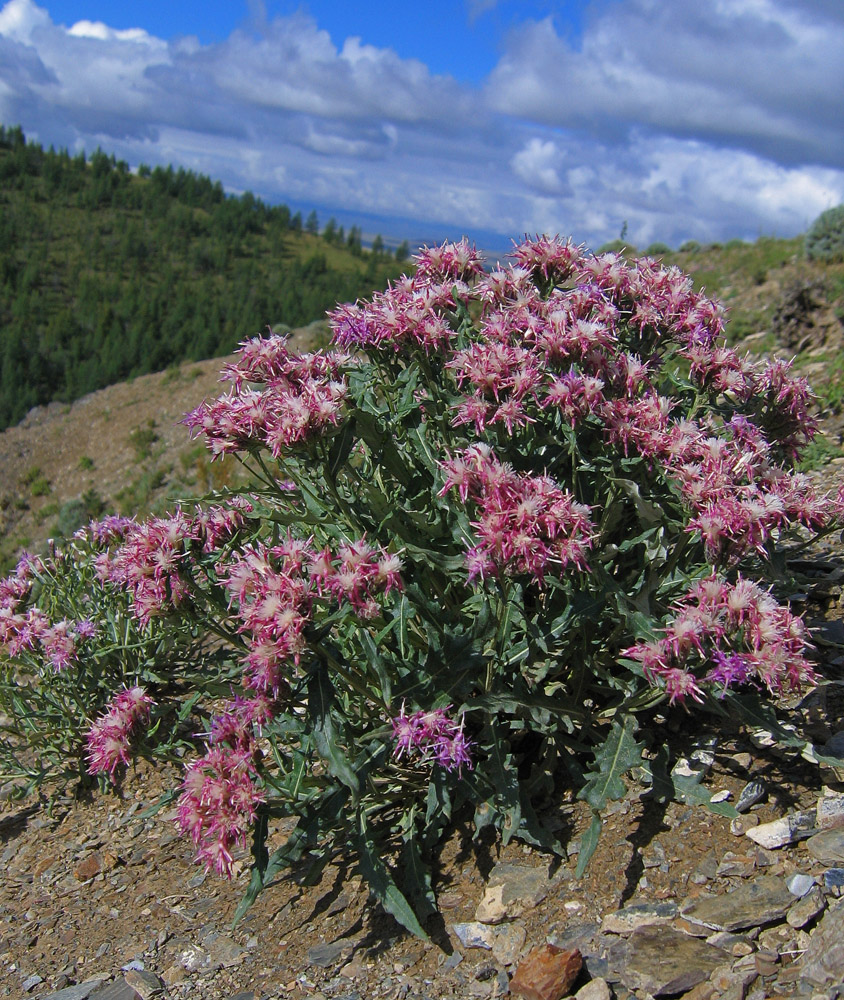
[504, 516]
[75, 646]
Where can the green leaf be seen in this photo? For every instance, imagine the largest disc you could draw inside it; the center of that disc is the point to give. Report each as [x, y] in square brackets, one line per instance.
[588, 843]
[534, 832]
[381, 882]
[619, 753]
[687, 789]
[259, 866]
[521, 703]
[323, 730]
[662, 786]
[382, 445]
[376, 661]
[417, 877]
[163, 800]
[503, 776]
[341, 448]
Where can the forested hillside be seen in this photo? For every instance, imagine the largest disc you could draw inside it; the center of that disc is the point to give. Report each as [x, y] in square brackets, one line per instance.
[106, 274]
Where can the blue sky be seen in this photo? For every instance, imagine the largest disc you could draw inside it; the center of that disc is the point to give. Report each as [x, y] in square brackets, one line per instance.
[449, 37]
[489, 118]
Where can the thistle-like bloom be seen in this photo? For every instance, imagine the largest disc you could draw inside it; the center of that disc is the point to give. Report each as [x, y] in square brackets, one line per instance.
[219, 803]
[297, 397]
[432, 736]
[108, 738]
[525, 525]
[724, 635]
[148, 564]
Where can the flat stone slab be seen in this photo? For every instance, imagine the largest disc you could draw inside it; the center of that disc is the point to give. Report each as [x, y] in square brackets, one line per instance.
[751, 905]
[786, 830]
[628, 918]
[512, 890]
[79, 992]
[830, 811]
[827, 847]
[823, 960]
[665, 962]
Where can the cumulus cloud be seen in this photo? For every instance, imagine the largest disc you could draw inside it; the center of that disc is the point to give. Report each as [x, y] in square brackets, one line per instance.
[537, 165]
[711, 120]
[763, 75]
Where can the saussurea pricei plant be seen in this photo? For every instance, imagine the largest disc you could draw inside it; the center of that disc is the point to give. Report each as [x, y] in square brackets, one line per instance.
[506, 515]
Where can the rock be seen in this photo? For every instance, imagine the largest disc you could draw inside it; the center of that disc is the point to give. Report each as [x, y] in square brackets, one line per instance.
[88, 867]
[146, 984]
[508, 943]
[799, 884]
[118, 990]
[729, 977]
[786, 830]
[823, 960]
[739, 825]
[189, 956]
[511, 891]
[665, 962]
[474, 934]
[751, 905]
[735, 944]
[736, 864]
[596, 989]
[453, 960]
[31, 982]
[834, 878]
[324, 956]
[827, 846]
[223, 951]
[830, 811]
[79, 992]
[753, 792]
[548, 973]
[806, 909]
[627, 919]
[703, 991]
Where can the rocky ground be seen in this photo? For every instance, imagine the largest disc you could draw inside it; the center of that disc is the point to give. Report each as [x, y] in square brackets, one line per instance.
[100, 900]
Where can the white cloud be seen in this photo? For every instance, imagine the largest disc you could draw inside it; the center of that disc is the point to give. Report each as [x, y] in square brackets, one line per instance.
[761, 74]
[537, 164]
[711, 120]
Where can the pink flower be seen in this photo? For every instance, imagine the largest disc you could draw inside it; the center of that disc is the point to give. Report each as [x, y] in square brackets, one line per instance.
[725, 634]
[108, 738]
[427, 736]
[525, 524]
[219, 804]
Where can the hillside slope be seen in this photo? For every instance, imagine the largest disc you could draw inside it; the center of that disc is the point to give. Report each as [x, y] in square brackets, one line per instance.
[106, 274]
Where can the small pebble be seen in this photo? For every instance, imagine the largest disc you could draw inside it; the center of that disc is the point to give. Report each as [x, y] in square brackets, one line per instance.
[799, 885]
[753, 792]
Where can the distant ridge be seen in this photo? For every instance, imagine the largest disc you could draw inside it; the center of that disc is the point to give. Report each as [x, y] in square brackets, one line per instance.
[106, 274]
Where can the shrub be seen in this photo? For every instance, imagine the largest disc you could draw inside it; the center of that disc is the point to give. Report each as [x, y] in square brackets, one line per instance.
[620, 246]
[825, 239]
[142, 439]
[500, 521]
[72, 642]
[658, 249]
